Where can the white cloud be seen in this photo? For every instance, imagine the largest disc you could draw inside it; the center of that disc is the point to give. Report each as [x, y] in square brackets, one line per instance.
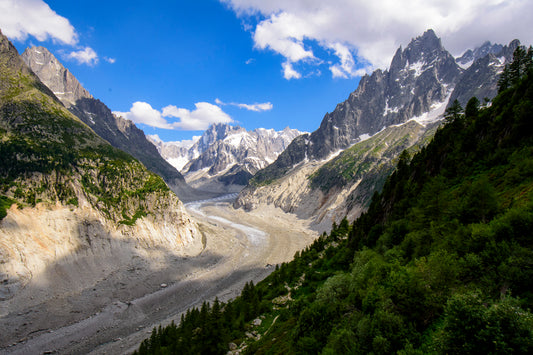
[86, 56]
[373, 30]
[22, 18]
[110, 60]
[257, 107]
[204, 115]
[289, 72]
[142, 112]
[283, 33]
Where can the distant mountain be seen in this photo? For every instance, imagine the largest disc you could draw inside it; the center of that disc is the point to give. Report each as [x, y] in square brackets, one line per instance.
[121, 133]
[480, 79]
[470, 56]
[423, 79]
[226, 155]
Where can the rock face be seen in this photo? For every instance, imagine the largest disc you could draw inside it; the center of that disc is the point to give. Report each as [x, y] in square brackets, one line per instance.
[422, 80]
[70, 191]
[121, 133]
[480, 78]
[419, 76]
[227, 155]
[470, 56]
[54, 75]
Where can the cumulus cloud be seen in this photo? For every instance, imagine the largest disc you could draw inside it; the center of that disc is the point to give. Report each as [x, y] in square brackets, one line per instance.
[204, 115]
[22, 18]
[289, 72]
[372, 30]
[257, 107]
[143, 112]
[84, 56]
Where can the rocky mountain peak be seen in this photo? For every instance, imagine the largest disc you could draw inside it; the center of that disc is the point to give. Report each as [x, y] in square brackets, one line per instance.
[470, 56]
[53, 74]
[224, 154]
[423, 53]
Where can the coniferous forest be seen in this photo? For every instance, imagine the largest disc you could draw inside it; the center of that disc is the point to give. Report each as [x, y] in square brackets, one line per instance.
[442, 261]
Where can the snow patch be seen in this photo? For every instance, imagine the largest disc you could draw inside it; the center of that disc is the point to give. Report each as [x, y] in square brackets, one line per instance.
[466, 65]
[389, 110]
[417, 67]
[364, 137]
[434, 114]
[90, 114]
[236, 139]
[178, 162]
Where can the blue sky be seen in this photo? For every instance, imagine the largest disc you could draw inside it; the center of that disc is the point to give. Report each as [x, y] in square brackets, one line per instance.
[174, 67]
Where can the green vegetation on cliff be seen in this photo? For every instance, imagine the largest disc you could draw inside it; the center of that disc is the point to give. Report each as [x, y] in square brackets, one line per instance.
[441, 263]
[48, 155]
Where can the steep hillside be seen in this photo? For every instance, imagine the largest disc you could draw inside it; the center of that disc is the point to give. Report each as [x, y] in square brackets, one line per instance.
[421, 82]
[441, 263]
[121, 133]
[66, 193]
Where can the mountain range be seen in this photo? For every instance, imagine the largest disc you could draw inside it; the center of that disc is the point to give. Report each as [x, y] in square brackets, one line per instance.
[439, 263]
[422, 81]
[225, 157]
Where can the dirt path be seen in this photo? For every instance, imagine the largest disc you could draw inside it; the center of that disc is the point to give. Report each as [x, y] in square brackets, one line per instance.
[240, 247]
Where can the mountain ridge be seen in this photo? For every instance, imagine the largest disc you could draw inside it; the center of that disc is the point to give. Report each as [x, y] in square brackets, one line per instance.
[89, 196]
[226, 155]
[121, 133]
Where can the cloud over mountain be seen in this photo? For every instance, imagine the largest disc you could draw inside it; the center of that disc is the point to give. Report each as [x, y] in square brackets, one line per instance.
[364, 34]
[200, 118]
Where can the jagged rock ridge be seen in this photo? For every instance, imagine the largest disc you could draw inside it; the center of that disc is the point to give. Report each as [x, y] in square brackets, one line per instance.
[227, 154]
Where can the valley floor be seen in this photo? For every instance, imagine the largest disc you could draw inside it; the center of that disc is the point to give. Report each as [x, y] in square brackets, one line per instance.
[114, 315]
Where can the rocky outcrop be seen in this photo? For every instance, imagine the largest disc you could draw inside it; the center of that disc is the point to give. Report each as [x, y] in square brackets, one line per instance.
[480, 79]
[420, 76]
[54, 75]
[470, 56]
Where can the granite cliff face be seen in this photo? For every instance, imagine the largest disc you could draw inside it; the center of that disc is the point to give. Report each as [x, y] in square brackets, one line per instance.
[65, 192]
[121, 133]
[338, 167]
[54, 75]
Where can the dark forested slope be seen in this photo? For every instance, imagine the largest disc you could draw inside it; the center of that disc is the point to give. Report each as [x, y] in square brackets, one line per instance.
[442, 261]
